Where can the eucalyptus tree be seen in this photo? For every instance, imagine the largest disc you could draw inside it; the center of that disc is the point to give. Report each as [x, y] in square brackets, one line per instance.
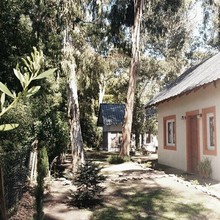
[133, 73]
[211, 22]
[163, 36]
[59, 27]
[41, 24]
[65, 30]
[68, 12]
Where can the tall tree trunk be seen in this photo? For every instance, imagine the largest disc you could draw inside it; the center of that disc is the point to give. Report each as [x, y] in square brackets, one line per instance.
[133, 72]
[74, 120]
[69, 67]
[102, 87]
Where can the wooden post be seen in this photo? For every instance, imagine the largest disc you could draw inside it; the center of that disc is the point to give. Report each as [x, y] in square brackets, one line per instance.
[3, 212]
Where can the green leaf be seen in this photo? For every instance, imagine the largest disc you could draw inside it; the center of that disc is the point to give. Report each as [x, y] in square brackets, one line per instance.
[14, 94]
[7, 127]
[26, 79]
[33, 90]
[5, 89]
[26, 64]
[2, 99]
[19, 76]
[45, 74]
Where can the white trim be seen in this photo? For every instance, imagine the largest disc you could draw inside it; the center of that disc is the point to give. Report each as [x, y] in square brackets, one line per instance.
[170, 125]
[210, 116]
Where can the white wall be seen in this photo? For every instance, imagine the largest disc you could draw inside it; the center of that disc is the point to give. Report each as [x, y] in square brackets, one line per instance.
[202, 98]
[112, 128]
[111, 132]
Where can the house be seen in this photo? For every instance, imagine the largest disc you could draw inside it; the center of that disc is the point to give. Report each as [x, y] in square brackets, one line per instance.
[189, 118]
[111, 118]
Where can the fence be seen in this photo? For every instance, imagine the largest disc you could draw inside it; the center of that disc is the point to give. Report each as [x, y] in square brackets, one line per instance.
[3, 211]
[14, 166]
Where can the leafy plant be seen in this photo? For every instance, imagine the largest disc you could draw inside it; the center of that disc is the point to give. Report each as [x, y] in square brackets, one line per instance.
[205, 168]
[115, 159]
[88, 180]
[29, 72]
[42, 168]
[25, 74]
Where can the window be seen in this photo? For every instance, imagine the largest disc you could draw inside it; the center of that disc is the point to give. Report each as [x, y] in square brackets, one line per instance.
[209, 131]
[170, 132]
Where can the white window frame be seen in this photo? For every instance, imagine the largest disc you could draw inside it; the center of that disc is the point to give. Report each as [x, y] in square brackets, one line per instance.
[172, 130]
[208, 127]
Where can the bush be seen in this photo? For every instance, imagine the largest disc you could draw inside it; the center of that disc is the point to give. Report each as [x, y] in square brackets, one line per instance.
[42, 169]
[205, 168]
[115, 159]
[88, 180]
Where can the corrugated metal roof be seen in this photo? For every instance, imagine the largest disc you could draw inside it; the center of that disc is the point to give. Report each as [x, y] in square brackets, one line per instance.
[111, 114]
[206, 72]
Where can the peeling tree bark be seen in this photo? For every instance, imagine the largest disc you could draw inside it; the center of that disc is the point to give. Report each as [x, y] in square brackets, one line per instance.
[69, 67]
[102, 86]
[133, 72]
[74, 120]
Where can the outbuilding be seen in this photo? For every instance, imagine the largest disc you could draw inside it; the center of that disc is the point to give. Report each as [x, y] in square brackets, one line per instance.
[110, 118]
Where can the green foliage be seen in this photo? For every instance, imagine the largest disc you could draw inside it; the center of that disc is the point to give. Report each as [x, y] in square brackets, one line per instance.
[16, 143]
[15, 21]
[115, 159]
[50, 124]
[121, 17]
[29, 72]
[90, 132]
[43, 162]
[42, 169]
[88, 181]
[20, 138]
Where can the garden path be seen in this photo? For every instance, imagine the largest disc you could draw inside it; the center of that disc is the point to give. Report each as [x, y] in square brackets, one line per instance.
[177, 196]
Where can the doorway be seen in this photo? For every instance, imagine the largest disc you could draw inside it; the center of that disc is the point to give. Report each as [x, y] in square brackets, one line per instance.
[192, 141]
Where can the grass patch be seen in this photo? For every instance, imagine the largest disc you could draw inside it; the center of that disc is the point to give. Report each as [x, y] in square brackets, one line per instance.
[132, 200]
[148, 203]
[115, 159]
[95, 155]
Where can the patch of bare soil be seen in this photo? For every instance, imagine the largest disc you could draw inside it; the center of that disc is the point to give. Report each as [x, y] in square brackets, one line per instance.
[56, 204]
[25, 208]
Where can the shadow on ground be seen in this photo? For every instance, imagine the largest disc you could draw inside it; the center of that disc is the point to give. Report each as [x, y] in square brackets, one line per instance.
[151, 202]
[191, 177]
[138, 198]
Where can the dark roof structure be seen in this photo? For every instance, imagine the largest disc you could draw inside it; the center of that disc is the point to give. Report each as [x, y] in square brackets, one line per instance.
[111, 114]
[204, 73]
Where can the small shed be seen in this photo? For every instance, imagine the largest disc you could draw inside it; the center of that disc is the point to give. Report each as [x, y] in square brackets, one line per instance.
[111, 118]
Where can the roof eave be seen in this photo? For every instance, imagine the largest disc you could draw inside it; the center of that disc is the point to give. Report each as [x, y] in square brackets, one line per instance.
[187, 92]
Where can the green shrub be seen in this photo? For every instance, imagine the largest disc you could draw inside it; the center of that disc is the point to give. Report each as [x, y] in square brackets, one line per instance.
[42, 169]
[115, 159]
[88, 180]
[205, 168]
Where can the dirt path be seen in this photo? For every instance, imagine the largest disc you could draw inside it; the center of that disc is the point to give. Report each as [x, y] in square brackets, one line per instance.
[135, 192]
[56, 203]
